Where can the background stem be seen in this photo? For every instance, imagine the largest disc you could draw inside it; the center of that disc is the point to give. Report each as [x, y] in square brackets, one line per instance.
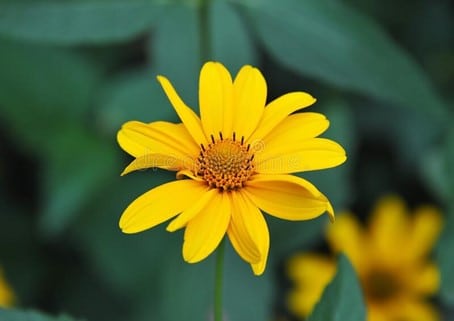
[218, 282]
[204, 33]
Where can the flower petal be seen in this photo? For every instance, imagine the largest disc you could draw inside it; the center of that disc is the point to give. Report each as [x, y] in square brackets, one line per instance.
[155, 161]
[287, 197]
[415, 309]
[259, 231]
[158, 205]
[215, 99]
[425, 230]
[311, 274]
[181, 220]
[248, 232]
[205, 231]
[347, 236]
[139, 139]
[190, 120]
[424, 280]
[277, 110]
[283, 157]
[299, 126]
[239, 231]
[389, 225]
[249, 92]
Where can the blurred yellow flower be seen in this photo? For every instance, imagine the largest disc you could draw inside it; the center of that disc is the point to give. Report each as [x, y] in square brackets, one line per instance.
[232, 162]
[6, 294]
[391, 257]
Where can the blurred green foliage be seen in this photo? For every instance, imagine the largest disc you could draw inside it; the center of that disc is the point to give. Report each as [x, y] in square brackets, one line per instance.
[71, 72]
[342, 298]
[13, 315]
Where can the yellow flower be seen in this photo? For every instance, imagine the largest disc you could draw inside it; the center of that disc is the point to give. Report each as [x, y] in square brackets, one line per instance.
[231, 163]
[390, 256]
[6, 294]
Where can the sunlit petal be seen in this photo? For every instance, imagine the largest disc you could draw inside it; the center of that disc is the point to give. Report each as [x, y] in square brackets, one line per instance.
[205, 231]
[277, 110]
[215, 99]
[158, 205]
[287, 197]
[282, 157]
[139, 139]
[181, 220]
[250, 91]
[240, 232]
[190, 120]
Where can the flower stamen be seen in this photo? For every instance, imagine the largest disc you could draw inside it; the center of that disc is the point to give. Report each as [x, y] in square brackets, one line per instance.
[225, 164]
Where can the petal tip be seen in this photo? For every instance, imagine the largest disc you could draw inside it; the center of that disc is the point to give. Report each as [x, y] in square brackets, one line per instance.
[330, 211]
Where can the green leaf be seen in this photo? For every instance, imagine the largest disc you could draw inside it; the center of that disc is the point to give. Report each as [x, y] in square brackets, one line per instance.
[333, 42]
[45, 97]
[437, 166]
[43, 90]
[21, 315]
[133, 96]
[342, 298]
[175, 50]
[78, 167]
[231, 43]
[124, 261]
[74, 23]
[445, 260]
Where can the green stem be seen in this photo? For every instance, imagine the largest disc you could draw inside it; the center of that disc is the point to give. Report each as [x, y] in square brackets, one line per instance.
[218, 282]
[205, 43]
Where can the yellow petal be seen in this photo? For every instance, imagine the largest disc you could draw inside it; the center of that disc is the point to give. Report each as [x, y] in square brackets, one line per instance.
[311, 273]
[139, 139]
[346, 235]
[389, 225]
[205, 231]
[287, 197]
[190, 120]
[260, 234]
[215, 99]
[248, 232]
[181, 220]
[425, 230]
[277, 110]
[158, 205]
[414, 309]
[284, 157]
[156, 161]
[298, 127]
[424, 280]
[240, 232]
[249, 92]
[377, 313]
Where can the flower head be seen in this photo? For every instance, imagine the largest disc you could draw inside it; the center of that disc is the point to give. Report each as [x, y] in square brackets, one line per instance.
[390, 256]
[232, 162]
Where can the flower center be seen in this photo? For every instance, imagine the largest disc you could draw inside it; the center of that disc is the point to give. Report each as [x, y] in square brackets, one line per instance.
[225, 164]
[381, 286]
